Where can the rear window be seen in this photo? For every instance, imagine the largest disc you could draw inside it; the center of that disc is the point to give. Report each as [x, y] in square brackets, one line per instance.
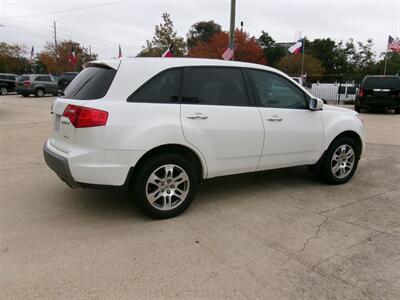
[22, 78]
[382, 83]
[92, 83]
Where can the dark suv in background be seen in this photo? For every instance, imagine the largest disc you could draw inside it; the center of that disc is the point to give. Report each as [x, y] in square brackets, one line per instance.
[379, 92]
[65, 79]
[37, 84]
[7, 83]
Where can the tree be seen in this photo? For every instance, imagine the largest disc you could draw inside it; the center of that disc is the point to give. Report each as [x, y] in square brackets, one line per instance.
[56, 60]
[202, 32]
[164, 36]
[291, 64]
[325, 51]
[246, 48]
[12, 58]
[272, 52]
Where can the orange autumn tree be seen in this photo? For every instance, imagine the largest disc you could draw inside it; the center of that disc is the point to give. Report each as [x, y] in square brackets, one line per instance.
[246, 48]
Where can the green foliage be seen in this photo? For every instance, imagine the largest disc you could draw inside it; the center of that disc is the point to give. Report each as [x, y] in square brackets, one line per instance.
[164, 36]
[272, 52]
[202, 32]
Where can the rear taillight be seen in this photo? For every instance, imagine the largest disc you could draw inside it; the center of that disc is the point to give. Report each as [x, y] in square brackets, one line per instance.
[82, 117]
[27, 83]
[361, 92]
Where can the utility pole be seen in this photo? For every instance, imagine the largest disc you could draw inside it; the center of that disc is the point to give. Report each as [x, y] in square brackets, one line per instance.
[232, 27]
[55, 38]
[2, 23]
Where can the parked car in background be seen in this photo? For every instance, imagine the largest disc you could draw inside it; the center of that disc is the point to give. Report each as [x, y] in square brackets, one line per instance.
[378, 92]
[161, 126]
[65, 79]
[37, 84]
[7, 83]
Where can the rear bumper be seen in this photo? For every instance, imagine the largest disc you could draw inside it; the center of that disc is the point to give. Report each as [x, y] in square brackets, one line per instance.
[387, 103]
[59, 165]
[21, 90]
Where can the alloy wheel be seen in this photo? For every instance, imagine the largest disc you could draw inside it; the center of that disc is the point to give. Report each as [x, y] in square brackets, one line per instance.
[3, 91]
[342, 162]
[167, 187]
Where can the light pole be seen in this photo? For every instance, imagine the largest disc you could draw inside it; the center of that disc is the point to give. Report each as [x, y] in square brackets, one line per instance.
[232, 26]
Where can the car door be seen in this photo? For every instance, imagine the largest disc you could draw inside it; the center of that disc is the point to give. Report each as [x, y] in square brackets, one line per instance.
[220, 121]
[293, 133]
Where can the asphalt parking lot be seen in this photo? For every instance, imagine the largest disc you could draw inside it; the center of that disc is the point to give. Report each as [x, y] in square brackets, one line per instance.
[271, 235]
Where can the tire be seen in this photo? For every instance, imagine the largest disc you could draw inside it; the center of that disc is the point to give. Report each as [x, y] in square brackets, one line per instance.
[151, 178]
[397, 110]
[3, 91]
[357, 108]
[39, 92]
[25, 95]
[332, 170]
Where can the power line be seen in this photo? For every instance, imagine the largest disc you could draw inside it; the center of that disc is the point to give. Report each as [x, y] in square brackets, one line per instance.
[66, 10]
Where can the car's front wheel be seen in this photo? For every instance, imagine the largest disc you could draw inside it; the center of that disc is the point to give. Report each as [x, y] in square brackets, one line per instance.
[340, 161]
[164, 186]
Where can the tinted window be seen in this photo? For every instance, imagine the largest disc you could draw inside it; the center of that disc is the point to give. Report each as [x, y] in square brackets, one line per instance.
[163, 88]
[215, 86]
[275, 91]
[23, 78]
[43, 78]
[382, 83]
[92, 83]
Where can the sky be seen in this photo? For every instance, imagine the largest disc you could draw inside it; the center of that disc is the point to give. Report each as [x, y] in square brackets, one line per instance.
[105, 24]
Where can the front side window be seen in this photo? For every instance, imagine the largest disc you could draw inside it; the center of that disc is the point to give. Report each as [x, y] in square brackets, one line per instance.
[215, 86]
[277, 92]
[163, 88]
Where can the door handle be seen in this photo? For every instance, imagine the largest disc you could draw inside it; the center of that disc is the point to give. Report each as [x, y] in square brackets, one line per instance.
[197, 116]
[274, 118]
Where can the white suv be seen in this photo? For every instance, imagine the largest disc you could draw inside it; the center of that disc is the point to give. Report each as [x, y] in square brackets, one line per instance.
[162, 125]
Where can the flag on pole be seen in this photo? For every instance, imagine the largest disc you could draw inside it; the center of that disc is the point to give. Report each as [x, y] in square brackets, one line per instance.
[169, 52]
[393, 44]
[119, 52]
[297, 48]
[72, 56]
[228, 54]
[32, 56]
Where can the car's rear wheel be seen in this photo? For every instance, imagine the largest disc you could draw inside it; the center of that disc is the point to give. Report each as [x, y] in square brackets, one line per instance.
[3, 91]
[39, 93]
[340, 161]
[25, 95]
[164, 186]
[357, 108]
[397, 110]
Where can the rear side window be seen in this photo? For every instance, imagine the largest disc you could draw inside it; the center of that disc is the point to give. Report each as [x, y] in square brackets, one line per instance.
[43, 78]
[382, 83]
[215, 86]
[163, 88]
[92, 83]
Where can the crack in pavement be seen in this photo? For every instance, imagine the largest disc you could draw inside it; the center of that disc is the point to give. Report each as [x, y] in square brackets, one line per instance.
[315, 235]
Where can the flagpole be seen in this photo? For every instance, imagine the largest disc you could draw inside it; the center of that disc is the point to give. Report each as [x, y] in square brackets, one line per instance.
[386, 58]
[302, 57]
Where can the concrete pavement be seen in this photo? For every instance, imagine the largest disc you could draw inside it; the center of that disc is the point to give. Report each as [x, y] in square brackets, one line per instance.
[271, 235]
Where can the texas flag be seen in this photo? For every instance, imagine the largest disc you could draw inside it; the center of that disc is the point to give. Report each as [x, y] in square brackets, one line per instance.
[72, 56]
[169, 52]
[297, 48]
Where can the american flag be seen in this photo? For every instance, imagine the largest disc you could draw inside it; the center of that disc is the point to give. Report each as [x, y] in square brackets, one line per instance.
[228, 54]
[393, 44]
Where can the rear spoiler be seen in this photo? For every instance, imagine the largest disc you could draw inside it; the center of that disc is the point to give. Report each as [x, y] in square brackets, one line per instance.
[112, 64]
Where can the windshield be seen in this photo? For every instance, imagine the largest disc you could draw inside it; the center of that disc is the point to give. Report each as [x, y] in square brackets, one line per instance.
[91, 83]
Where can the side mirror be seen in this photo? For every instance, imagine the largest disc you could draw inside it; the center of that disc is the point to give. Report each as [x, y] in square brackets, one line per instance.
[316, 104]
